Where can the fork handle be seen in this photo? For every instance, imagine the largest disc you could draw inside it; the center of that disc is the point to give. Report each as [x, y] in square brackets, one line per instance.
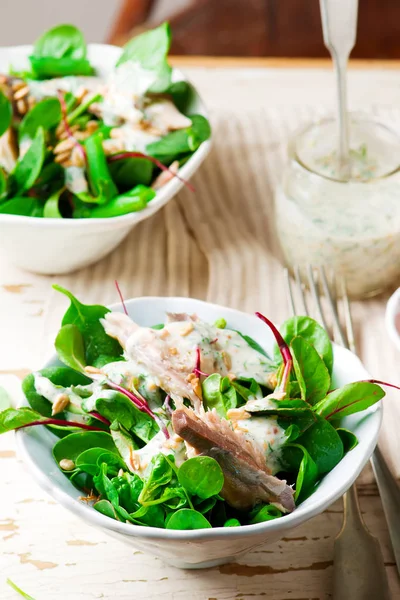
[390, 495]
[359, 572]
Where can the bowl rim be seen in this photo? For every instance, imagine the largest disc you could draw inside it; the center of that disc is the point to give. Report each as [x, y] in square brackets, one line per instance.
[288, 521]
[163, 195]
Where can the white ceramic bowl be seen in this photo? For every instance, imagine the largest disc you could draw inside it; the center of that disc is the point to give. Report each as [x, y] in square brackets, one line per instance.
[52, 246]
[392, 317]
[209, 547]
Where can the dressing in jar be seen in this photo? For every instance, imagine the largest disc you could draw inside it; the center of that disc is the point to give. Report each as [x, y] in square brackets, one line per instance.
[346, 219]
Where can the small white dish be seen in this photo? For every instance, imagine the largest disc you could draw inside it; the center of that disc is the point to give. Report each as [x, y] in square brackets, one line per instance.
[392, 318]
[209, 547]
[56, 246]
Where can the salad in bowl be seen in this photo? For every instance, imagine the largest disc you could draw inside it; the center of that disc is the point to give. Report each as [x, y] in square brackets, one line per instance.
[191, 424]
[93, 140]
[74, 144]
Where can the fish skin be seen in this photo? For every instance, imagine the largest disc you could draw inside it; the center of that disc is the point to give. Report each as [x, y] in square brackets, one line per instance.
[247, 480]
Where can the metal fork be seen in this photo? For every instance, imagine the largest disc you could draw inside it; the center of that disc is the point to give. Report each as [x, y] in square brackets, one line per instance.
[359, 569]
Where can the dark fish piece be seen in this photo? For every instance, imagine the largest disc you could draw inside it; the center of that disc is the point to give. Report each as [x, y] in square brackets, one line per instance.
[247, 480]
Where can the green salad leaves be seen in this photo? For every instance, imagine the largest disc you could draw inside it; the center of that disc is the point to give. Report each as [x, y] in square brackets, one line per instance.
[115, 433]
[77, 147]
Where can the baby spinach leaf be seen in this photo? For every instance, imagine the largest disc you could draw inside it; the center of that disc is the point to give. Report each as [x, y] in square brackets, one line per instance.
[324, 445]
[160, 475]
[148, 52]
[267, 512]
[201, 476]
[90, 460]
[182, 93]
[87, 320]
[180, 142]
[218, 393]
[12, 418]
[74, 444]
[45, 114]
[128, 487]
[5, 113]
[124, 442]
[204, 506]
[60, 51]
[118, 408]
[46, 67]
[5, 400]
[132, 201]
[70, 348]
[349, 399]
[61, 376]
[307, 475]
[60, 42]
[349, 439]
[129, 172]
[28, 167]
[106, 508]
[100, 179]
[311, 372]
[186, 518]
[312, 332]
[51, 208]
[20, 205]
[105, 487]
[232, 523]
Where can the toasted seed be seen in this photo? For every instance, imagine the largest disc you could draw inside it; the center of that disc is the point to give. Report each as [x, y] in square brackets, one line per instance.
[62, 156]
[76, 158]
[21, 107]
[31, 102]
[67, 464]
[113, 146]
[3, 78]
[21, 93]
[81, 135]
[81, 93]
[17, 85]
[227, 360]
[93, 370]
[59, 404]
[187, 329]
[92, 126]
[63, 146]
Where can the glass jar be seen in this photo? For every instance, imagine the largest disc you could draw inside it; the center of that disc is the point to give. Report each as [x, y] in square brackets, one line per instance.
[346, 219]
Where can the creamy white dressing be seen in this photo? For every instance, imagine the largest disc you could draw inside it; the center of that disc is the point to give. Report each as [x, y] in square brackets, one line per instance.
[50, 87]
[136, 139]
[139, 460]
[75, 180]
[265, 433]
[51, 392]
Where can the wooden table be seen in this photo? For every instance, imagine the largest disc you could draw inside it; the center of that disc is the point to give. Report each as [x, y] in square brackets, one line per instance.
[45, 549]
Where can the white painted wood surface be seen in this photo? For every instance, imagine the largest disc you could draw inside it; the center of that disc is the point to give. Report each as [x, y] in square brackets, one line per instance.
[202, 246]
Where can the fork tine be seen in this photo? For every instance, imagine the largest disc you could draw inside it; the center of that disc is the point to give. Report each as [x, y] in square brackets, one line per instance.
[289, 293]
[315, 295]
[347, 315]
[300, 287]
[336, 322]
